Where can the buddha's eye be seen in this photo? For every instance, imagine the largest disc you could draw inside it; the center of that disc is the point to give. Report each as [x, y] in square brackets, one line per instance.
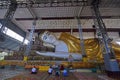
[45, 37]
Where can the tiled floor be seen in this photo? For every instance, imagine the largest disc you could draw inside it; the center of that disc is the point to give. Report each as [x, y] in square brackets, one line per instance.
[42, 76]
[6, 74]
[91, 76]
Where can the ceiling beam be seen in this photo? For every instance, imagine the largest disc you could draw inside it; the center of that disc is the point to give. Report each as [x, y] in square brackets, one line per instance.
[59, 18]
[75, 30]
[31, 10]
[43, 3]
[4, 4]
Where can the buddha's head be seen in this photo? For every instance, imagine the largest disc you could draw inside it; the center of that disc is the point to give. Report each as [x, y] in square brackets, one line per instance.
[48, 37]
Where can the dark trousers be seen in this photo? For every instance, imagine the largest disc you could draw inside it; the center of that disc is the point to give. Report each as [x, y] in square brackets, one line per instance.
[33, 72]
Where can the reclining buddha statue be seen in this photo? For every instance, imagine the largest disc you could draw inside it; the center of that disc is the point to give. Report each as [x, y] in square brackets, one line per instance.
[68, 45]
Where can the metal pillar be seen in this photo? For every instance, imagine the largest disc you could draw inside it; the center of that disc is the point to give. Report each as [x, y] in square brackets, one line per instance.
[71, 30]
[28, 48]
[111, 65]
[81, 39]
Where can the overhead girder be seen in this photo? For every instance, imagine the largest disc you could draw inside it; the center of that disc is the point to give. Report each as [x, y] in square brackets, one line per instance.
[58, 3]
[39, 3]
[111, 64]
[28, 47]
[11, 10]
[6, 22]
[10, 13]
[101, 26]
[76, 30]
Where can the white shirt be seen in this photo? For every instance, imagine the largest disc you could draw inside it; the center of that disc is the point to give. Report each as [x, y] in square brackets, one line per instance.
[33, 69]
[50, 70]
[64, 71]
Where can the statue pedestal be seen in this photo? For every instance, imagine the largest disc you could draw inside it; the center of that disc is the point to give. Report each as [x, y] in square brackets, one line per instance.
[113, 74]
[112, 67]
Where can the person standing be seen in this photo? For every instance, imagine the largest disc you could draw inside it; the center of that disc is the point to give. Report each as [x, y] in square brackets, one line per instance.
[34, 70]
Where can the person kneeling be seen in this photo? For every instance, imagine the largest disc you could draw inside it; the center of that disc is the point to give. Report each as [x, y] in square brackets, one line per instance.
[34, 70]
[65, 73]
[50, 70]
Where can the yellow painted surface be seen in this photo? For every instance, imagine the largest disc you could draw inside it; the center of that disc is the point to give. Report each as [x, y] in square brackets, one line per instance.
[41, 67]
[92, 47]
[44, 68]
[25, 58]
[85, 59]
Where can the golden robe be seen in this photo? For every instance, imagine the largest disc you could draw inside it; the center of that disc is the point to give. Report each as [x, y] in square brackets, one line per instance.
[92, 47]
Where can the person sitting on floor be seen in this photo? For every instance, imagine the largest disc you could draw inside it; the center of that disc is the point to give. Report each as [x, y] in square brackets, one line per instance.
[34, 70]
[50, 70]
[57, 73]
[65, 72]
[61, 67]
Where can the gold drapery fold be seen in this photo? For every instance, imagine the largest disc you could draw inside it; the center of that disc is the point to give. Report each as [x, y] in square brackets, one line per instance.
[92, 46]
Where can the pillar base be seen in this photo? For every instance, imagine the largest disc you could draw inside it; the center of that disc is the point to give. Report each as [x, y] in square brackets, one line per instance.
[113, 74]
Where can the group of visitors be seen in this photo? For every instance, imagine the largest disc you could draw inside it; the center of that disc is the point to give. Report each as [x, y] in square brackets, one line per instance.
[57, 70]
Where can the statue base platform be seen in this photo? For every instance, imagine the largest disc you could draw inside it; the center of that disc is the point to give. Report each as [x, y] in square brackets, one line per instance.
[113, 74]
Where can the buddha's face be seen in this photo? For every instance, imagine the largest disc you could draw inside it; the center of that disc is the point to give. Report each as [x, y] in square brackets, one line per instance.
[48, 37]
